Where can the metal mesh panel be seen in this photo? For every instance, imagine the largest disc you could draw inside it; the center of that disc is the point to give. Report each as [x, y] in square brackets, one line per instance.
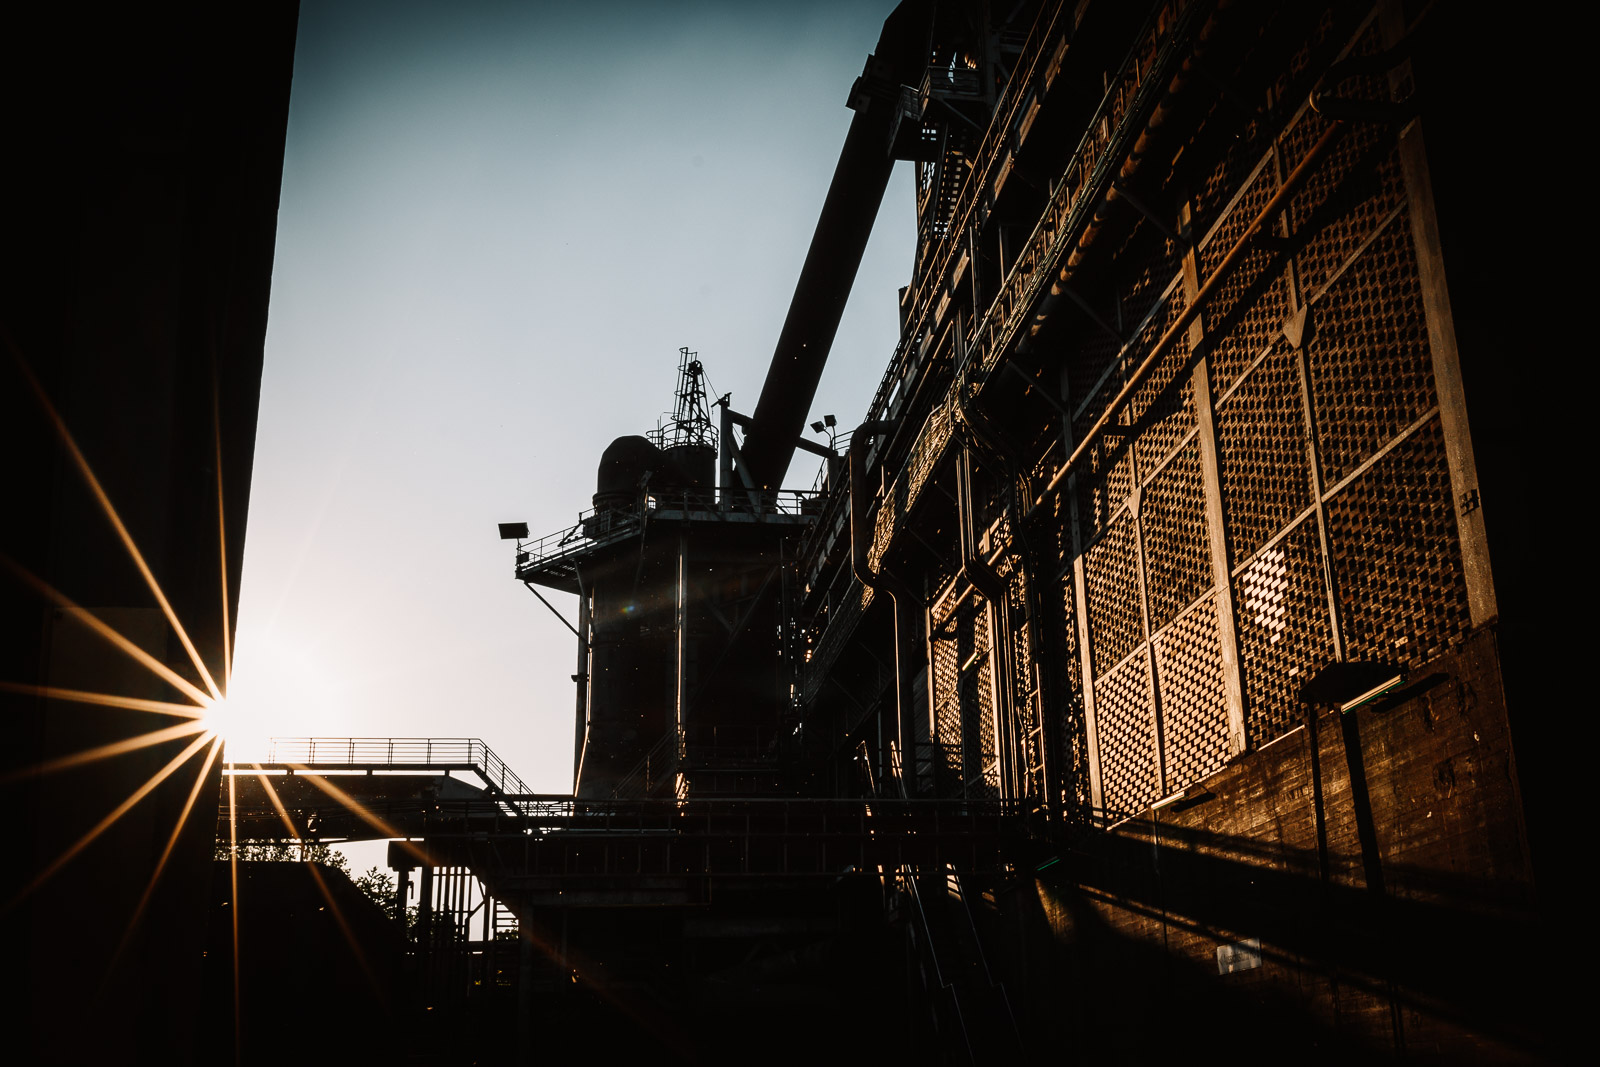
[1127, 747]
[1163, 404]
[1022, 673]
[927, 451]
[1370, 369]
[1194, 707]
[1034, 481]
[884, 522]
[1147, 266]
[1074, 751]
[1104, 483]
[1249, 307]
[1092, 352]
[1261, 441]
[1107, 477]
[947, 711]
[1231, 171]
[979, 751]
[1365, 198]
[1284, 636]
[1177, 553]
[1293, 82]
[1111, 580]
[1397, 562]
[1341, 204]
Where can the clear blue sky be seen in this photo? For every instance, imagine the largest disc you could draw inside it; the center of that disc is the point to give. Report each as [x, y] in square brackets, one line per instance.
[499, 222]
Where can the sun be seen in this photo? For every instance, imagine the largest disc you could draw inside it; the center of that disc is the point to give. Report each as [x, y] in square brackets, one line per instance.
[241, 732]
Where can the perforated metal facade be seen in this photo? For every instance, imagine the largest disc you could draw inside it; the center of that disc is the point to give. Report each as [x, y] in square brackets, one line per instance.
[1273, 494]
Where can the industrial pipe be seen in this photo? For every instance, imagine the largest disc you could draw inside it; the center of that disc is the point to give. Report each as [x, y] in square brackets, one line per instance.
[906, 602]
[837, 245]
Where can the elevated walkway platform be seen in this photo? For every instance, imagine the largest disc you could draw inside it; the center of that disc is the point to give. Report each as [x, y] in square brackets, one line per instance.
[351, 789]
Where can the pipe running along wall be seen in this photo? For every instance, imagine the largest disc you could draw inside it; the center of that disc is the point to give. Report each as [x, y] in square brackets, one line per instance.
[837, 245]
[907, 605]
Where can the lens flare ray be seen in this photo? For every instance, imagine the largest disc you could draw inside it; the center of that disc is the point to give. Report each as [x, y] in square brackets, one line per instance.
[105, 630]
[166, 853]
[116, 522]
[322, 886]
[222, 538]
[100, 752]
[355, 807]
[109, 700]
[104, 824]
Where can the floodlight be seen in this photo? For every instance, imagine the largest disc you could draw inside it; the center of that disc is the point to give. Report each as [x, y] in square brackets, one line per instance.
[511, 531]
[830, 420]
[817, 427]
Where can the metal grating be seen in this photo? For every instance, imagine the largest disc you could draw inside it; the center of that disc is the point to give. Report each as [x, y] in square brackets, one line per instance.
[1284, 635]
[1397, 562]
[1122, 716]
[1152, 264]
[1358, 184]
[983, 773]
[1250, 307]
[1194, 706]
[926, 452]
[947, 710]
[1029, 755]
[1177, 552]
[1164, 405]
[1069, 676]
[1371, 375]
[1093, 352]
[1111, 580]
[1295, 80]
[1261, 443]
[1232, 170]
[1104, 483]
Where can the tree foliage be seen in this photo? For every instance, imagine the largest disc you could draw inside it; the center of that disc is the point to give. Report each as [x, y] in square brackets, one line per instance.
[285, 852]
[377, 884]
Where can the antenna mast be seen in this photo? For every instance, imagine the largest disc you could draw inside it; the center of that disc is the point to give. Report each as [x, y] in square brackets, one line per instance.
[690, 422]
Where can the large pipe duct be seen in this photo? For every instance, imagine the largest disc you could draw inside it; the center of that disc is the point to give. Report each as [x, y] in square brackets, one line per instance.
[907, 605]
[840, 239]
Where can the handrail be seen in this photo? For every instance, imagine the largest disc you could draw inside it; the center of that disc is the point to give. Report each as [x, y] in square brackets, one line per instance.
[1127, 89]
[926, 287]
[952, 815]
[1130, 93]
[409, 752]
[598, 526]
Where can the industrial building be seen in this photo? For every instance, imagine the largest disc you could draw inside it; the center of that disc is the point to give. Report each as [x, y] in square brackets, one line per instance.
[1137, 678]
[1163, 539]
[1136, 664]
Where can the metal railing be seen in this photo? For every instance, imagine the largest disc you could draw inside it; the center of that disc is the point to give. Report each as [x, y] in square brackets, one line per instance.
[467, 753]
[599, 526]
[709, 815]
[926, 287]
[1129, 96]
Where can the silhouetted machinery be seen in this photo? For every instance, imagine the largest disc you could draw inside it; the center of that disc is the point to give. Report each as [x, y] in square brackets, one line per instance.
[687, 587]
